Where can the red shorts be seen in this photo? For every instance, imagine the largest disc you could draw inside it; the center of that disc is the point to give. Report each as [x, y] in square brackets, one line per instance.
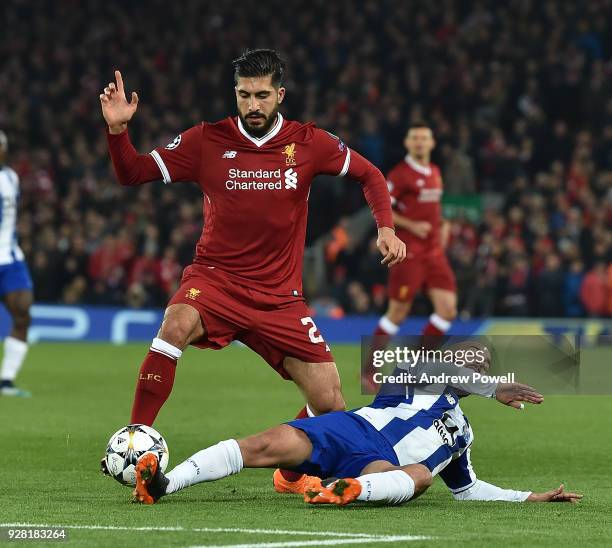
[426, 271]
[274, 326]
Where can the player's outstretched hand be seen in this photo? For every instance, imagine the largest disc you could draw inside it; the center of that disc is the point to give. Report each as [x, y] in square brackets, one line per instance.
[391, 247]
[514, 393]
[556, 495]
[115, 108]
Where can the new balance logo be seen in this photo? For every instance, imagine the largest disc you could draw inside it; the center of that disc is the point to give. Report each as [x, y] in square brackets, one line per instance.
[291, 179]
[229, 154]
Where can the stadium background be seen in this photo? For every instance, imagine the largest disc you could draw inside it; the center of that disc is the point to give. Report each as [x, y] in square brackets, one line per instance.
[519, 96]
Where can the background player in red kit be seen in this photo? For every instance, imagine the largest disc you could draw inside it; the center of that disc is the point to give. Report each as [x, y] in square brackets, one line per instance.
[416, 190]
[255, 171]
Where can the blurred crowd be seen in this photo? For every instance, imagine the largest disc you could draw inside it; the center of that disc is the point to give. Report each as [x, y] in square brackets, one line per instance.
[519, 95]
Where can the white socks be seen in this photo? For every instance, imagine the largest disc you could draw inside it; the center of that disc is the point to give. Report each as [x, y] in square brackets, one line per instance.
[309, 411]
[439, 323]
[14, 353]
[393, 487]
[213, 463]
[162, 347]
[388, 326]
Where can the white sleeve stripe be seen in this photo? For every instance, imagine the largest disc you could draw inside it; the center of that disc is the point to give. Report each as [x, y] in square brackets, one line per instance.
[347, 163]
[162, 167]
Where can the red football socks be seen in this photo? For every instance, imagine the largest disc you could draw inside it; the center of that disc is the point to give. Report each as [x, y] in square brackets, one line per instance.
[436, 327]
[154, 385]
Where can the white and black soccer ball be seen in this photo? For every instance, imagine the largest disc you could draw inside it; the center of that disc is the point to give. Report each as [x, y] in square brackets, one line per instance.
[127, 445]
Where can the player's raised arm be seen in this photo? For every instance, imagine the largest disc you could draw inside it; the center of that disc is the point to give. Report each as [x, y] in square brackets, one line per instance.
[335, 158]
[115, 107]
[178, 161]
[131, 168]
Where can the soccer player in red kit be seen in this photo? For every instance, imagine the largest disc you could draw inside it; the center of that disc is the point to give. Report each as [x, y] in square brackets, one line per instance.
[255, 172]
[415, 185]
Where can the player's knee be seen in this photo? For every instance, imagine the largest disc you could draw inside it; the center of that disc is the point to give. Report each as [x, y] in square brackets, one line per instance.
[327, 400]
[447, 310]
[176, 329]
[253, 447]
[22, 320]
[397, 312]
[257, 450]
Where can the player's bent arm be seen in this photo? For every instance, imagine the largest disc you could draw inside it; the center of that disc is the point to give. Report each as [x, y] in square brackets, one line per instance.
[401, 221]
[131, 168]
[374, 188]
[445, 229]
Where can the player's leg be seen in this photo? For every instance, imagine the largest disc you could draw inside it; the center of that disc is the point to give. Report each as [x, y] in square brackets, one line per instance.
[380, 481]
[405, 280]
[320, 384]
[397, 312]
[288, 339]
[282, 445]
[18, 304]
[442, 291]
[181, 326]
[444, 302]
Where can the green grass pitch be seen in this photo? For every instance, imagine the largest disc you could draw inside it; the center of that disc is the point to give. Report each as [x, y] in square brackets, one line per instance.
[50, 447]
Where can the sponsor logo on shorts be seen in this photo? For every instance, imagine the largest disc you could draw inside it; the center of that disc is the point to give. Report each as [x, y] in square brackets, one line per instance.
[192, 293]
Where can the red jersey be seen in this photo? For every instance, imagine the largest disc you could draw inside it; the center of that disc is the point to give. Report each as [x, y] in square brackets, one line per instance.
[255, 192]
[416, 191]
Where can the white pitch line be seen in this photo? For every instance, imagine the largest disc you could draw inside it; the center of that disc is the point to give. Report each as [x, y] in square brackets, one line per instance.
[178, 528]
[333, 542]
[362, 537]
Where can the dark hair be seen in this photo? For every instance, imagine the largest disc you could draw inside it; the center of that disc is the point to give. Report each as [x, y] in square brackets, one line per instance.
[419, 124]
[260, 62]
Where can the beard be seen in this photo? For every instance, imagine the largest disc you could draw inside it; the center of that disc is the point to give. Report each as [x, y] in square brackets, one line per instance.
[258, 131]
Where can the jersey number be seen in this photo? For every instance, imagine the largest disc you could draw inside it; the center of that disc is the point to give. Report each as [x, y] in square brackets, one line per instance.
[312, 332]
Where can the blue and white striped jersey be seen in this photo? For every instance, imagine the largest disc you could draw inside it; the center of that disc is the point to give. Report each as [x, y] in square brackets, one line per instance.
[9, 193]
[425, 425]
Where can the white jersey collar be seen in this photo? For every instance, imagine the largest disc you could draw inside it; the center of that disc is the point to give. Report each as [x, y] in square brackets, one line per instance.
[259, 141]
[423, 170]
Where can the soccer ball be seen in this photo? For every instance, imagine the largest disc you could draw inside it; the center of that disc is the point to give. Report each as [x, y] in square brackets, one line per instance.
[127, 445]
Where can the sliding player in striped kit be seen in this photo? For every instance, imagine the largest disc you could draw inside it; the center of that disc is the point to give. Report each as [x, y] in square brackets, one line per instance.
[386, 452]
[15, 281]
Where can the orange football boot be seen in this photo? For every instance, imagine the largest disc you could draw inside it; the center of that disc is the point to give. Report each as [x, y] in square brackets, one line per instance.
[281, 485]
[340, 492]
[150, 482]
